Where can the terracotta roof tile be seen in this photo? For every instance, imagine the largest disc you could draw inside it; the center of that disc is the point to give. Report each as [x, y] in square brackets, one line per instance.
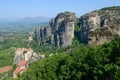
[5, 69]
[22, 63]
[17, 70]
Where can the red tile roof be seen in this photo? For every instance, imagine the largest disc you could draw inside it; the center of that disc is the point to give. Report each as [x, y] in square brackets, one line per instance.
[18, 70]
[22, 63]
[5, 69]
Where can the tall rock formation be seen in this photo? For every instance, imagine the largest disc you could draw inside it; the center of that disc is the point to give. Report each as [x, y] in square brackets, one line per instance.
[59, 33]
[42, 35]
[100, 26]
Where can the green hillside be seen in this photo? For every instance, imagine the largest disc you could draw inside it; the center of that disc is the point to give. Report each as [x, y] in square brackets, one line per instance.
[94, 63]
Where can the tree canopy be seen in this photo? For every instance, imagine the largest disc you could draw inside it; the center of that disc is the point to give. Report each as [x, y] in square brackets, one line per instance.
[93, 63]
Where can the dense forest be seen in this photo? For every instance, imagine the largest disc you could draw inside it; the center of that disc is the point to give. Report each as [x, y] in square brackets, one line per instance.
[85, 63]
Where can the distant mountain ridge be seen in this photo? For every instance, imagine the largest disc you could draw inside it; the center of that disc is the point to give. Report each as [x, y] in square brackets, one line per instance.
[37, 19]
[23, 25]
[26, 20]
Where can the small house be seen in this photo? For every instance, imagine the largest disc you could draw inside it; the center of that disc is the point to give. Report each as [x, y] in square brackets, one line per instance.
[21, 67]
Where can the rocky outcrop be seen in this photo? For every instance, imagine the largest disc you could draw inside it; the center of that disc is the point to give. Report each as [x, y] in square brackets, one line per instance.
[59, 33]
[43, 34]
[100, 26]
[1, 39]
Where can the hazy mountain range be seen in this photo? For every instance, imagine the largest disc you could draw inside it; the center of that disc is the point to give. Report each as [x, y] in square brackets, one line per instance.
[26, 20]
[26, 24]
[38, 19]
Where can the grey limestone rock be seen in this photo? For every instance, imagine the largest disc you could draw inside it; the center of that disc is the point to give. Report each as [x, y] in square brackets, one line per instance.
[100, 26]
[60, 32]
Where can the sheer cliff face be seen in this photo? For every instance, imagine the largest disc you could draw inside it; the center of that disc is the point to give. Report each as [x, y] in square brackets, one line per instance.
[60, 32]
[42, 35]
[100, 26]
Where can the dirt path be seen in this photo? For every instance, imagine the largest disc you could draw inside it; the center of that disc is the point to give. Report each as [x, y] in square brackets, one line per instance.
[5, 69]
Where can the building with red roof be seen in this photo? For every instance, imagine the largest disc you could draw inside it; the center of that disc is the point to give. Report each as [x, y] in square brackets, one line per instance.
[21, 58]
[22, 54]
[21, 67]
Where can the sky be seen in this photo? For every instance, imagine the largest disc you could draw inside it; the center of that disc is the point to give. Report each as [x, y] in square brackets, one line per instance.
[15, 9]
